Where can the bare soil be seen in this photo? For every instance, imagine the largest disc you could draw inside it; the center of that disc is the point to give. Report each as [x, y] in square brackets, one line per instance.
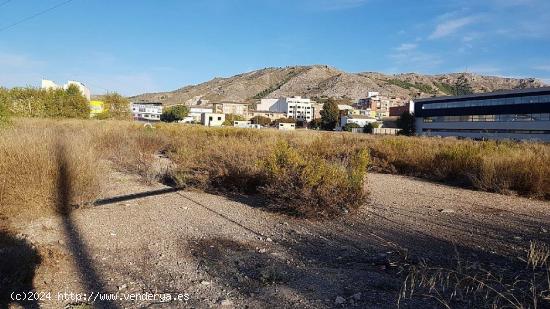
[226, 251]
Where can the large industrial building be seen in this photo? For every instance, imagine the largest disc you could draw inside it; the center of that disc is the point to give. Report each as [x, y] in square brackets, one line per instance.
[522, 114]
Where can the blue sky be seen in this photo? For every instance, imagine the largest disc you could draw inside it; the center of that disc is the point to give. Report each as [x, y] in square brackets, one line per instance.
[135, 46]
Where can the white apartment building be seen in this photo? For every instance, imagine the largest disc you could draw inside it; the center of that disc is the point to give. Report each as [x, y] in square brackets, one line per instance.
[360, 120]
[195, 114]
[146, 111]
[48, 84]
[299, 108]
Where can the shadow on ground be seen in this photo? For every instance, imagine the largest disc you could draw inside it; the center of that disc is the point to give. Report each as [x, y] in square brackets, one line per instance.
[91, 279]
[18, 262]
[348, 262]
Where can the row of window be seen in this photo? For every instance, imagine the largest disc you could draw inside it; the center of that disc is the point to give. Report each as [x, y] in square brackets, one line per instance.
[299, 107]
[506, 131]
[489, 102]
[148, 116]
[490, 118]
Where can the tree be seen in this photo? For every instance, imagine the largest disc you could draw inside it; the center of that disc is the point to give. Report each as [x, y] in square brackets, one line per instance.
[349, 126]
[315, 124]
[330, 115]
[261, 120]
[174, 113]
[116, 106]
[74, 104]
[230, 118]
[283, 120]
[406, 123]
[462, 86]
[369, 128]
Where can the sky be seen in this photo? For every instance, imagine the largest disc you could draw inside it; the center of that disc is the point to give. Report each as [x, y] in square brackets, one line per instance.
[137, 46]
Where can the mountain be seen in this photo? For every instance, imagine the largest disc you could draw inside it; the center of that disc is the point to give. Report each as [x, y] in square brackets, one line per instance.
[324, 81]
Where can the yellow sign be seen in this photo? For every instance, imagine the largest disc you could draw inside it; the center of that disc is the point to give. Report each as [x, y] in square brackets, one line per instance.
[96, 107]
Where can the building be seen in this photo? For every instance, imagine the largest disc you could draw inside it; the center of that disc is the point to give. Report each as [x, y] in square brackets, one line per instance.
[235, 108]
[396, 111]
[146, 111]
[380, 104]
[212, 119]
[357, 119]
[48, 84]
[246, 124]
[287, 126]
[299, 108]
[517, 114]
[271, 115]
[195, 113]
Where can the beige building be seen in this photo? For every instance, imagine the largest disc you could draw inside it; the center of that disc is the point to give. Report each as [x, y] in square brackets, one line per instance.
[268, 114]
[287, 126]
[212, 119]
[235, 108]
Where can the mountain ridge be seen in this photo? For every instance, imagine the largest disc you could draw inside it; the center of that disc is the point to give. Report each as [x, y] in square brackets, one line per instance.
[316, 81]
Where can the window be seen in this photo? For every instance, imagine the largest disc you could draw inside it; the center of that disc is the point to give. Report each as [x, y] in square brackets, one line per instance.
[210, 118]
[219, 118]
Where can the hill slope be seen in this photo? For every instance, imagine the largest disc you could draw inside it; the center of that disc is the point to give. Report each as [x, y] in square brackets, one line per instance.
[321, 80]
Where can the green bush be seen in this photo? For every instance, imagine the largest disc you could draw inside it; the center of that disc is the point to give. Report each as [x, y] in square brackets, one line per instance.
[54, 103]
[369, 128]
[174, 113]
[349, 126]
[303, 184]
[116, 107]
[230, 118]
[261, 120]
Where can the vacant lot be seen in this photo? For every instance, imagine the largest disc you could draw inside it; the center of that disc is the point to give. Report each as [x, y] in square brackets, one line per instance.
[267, 219]
[222, 250]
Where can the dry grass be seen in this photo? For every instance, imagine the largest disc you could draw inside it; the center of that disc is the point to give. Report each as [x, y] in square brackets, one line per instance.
[314, 169]
[524, 283]
[29, 167]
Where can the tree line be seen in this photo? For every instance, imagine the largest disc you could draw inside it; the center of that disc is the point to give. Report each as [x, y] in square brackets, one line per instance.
[58, 103]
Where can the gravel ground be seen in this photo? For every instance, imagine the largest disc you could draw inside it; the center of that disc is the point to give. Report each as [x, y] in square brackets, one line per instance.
[227, 252]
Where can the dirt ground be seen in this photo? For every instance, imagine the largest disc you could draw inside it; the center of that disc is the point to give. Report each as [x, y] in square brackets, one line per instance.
[227, 252]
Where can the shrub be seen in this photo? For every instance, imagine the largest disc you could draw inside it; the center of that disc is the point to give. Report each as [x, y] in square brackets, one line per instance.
[30, 166]
[116, 107]
[174, 113]
[369, 128]
[283, 120]
[406, 123]
[4, 113]
[308, 185]
[58, 103]
[230, 118]
[315, 124]
[261, 120]
[349, 126]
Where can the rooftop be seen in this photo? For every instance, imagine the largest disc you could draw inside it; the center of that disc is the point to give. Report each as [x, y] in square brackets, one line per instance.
[488, 95]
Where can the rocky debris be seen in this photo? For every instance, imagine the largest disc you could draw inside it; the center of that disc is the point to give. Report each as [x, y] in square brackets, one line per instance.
[339, 300]
[447, 211]
[226, 302]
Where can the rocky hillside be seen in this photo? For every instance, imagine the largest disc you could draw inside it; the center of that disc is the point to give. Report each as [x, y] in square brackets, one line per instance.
[324, 81]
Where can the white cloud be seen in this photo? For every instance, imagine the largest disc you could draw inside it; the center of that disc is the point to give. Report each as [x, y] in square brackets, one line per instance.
[406, 47]
[449, 27]
[543, 67]
[412, 59]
